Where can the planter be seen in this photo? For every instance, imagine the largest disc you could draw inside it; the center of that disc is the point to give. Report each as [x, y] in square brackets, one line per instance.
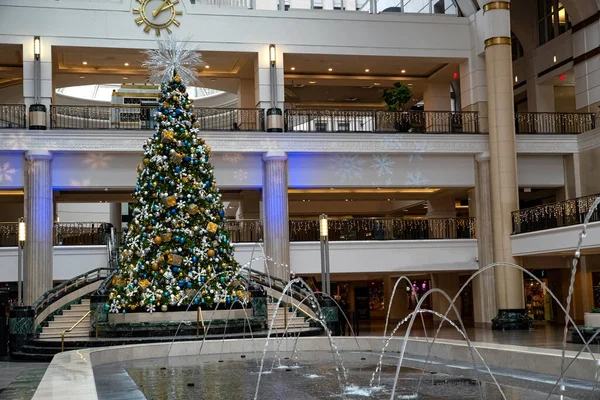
[592, 320]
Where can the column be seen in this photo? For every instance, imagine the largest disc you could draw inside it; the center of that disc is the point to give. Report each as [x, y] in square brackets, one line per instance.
[503, 158]
[441, 212]
[37, 272]
[249, 210]
[437, 98]
[484, 296]
[275, 213]
[262, 78]
[246, 94]
[473, 88]
[586, 65]
[116, 216]
[44, 74]
[449, 283]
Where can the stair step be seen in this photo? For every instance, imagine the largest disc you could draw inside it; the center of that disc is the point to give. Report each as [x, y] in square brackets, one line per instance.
[60, 330]
[65, 325]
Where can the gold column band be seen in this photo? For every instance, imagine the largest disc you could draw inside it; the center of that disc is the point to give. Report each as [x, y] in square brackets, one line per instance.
[495, 41]
[496, 5]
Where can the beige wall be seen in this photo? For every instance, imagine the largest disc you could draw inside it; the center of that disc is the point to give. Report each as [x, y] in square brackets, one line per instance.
[590, 171]
[564, 99]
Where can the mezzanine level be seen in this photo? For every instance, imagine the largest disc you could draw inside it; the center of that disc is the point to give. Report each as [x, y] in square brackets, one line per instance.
[397, 244]
[299, 120]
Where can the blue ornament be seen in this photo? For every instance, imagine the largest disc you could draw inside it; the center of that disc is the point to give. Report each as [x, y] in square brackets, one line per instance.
[173, 211]
[166, 294]
[187, 158]
[228, 299]
[195, 301]
[151, 300]
[189, 284]
[166, 112]
[194, 259]
[197, 150]
[175, 269]
[203, 300]
[202, 278]
[181, 283]
[123, 311]
[153, 221]
[221, 213]
[177, 169]
[195, 162]
[106, 307]
[182, 240]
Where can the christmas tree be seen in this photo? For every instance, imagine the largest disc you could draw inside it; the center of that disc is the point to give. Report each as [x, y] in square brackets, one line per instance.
[176, 249]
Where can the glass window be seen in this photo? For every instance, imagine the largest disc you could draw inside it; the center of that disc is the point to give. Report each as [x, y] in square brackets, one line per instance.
[552, 19]
[517, 48]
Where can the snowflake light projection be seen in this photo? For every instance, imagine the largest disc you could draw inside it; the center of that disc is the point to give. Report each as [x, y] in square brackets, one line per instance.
[6, 172]
[97, 160]
[348, 167]
[383, 164]
[415, 179]
[80, 183]
[240, 175]
[233, 158]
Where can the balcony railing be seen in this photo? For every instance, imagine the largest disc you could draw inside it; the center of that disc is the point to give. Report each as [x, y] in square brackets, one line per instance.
[554, 123]
[384, 229]
[65, 233]
[142, 118]
[548, 216]
[245, 230]
[12, 116]
[381, 121]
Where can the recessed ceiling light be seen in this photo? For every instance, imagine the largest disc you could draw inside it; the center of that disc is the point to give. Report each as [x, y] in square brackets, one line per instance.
[125, 78]
[330, 69]
[410, 84]
[126, 64]
[81, 77]
[213, 79]
[312, 82]
[85, 63]
[376, 83]
[293, 68]
[403, 71]
[207, 66]
[367, 70]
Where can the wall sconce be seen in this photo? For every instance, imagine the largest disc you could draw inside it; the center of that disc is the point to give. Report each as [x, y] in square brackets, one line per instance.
[323, 228]
[272, 55]
[37, 47]
[22, 232]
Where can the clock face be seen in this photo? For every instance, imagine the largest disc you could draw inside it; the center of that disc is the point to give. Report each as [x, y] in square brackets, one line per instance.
[157, 15]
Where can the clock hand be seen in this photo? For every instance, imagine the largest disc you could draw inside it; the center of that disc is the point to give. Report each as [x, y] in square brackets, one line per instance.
[162, 8]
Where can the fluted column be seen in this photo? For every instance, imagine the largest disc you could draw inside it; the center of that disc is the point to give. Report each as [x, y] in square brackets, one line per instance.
[503, 157]
[115, 216]
[275, 213]
[37, 272]
[484, 296]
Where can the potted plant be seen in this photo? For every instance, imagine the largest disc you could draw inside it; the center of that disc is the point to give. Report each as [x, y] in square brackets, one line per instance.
[395, 98]
[592, 319]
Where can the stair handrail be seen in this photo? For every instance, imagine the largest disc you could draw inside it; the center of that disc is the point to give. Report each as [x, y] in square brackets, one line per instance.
[62, 344]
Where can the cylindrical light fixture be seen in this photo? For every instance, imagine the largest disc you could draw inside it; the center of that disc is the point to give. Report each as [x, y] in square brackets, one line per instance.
[323, 228]
[272, 54]
[22, 232]
[37, 47]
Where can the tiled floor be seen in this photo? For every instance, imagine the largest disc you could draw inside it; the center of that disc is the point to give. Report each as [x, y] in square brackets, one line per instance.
[18, 380]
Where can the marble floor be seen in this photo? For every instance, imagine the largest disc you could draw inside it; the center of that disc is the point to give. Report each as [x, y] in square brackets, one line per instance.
[18, 380]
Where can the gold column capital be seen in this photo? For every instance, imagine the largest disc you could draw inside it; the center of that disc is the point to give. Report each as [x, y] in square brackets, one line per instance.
[497, 40]
[496, 5]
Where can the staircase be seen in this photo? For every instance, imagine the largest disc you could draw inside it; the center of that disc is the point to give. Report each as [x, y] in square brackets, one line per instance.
[292, 320]
[65, 321]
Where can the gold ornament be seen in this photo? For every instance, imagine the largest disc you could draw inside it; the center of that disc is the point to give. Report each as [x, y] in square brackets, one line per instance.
[166, 237]
[207, 148]
[192, 209]
[202, 210]
[144, 283]
[185, 179]
[146, 160]
[169, 201]
[157, 240]
[176, 158]
[210, 253]
[154, 266]
[211, 227]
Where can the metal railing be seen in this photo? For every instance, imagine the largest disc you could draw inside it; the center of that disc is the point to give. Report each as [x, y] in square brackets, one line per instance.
[554, 123]
[230, 119]
[143, 118]
[245, 230]
[65, 233]
[384, 229]
[381, 121]
[554, 215]
[62, 336]
[13, 116]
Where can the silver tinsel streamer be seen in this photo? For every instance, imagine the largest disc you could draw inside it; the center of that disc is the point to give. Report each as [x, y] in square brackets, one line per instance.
[173, 54]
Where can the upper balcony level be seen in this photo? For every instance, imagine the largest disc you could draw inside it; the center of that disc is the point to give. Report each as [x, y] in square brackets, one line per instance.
[555, 228]
[140, 118]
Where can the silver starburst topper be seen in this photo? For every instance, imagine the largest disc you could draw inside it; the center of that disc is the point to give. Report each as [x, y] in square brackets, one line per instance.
[173, 55]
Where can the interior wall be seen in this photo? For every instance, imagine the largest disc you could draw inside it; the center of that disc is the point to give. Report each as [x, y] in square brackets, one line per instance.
[83, 212]
[590, 171]
[564, 99]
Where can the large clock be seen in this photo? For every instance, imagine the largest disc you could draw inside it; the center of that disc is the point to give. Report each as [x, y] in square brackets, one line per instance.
[157, 15]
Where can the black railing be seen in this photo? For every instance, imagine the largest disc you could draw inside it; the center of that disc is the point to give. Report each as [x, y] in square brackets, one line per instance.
[554, 123]
[142, 118]
[381, 121]
[548, 216]
[230, 119]
[245, 230]
[65, 233]
[384, 229]
[13, 116]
